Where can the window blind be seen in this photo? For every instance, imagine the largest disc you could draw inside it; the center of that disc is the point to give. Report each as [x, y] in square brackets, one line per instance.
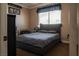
[49, 8]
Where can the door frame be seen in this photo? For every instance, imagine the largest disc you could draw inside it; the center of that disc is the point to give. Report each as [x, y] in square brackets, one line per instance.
[0, 29]
[78, 26]
[3, 29]
[73, 29]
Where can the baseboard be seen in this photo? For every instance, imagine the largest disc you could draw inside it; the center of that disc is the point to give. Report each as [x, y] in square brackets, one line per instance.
[63, 41]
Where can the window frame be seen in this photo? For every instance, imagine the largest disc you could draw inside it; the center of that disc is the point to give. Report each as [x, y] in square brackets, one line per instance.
[52, 7]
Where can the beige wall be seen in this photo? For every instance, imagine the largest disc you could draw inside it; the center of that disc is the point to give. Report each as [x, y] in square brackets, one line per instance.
[22, 20]
[64, 19]
[0, 29]
[33, 18]
[65, 23]
[73, 29]
[0, 21]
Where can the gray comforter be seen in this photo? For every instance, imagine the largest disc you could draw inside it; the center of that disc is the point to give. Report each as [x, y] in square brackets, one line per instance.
[38, 39]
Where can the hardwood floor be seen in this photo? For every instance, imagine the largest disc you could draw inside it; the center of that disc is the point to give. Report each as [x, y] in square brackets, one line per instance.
[60, 49]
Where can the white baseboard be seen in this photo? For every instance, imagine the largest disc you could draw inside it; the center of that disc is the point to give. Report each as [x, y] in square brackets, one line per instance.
[63, 41]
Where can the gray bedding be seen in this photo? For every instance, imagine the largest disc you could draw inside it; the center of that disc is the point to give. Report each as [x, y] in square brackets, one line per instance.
[38, 39]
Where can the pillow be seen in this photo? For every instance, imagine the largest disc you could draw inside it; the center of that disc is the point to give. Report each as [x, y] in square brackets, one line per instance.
[25, 32]
[46, 31]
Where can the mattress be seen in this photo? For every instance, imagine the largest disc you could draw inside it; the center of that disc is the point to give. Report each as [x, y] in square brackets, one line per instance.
[38, 39]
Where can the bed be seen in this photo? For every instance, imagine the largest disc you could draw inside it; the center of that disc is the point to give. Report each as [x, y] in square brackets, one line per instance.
[37, 42]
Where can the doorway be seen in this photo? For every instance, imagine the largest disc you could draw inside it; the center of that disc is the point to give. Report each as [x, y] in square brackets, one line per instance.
[11, 34]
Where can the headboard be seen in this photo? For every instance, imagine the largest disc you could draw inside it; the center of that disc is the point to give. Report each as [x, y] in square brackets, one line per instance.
[55, 27]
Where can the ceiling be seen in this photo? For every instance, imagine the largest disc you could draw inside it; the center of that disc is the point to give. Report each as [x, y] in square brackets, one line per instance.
[32, 5]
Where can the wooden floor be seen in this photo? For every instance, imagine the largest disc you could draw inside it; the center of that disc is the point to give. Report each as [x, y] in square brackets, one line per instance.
[60, 49]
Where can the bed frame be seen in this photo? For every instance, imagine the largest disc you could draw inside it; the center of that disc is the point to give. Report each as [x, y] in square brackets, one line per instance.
[38, 50]
[35, 49]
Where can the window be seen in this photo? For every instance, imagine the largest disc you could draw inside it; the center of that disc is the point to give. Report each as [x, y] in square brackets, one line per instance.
[43, 18]
[55, 17]
[50, 15]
